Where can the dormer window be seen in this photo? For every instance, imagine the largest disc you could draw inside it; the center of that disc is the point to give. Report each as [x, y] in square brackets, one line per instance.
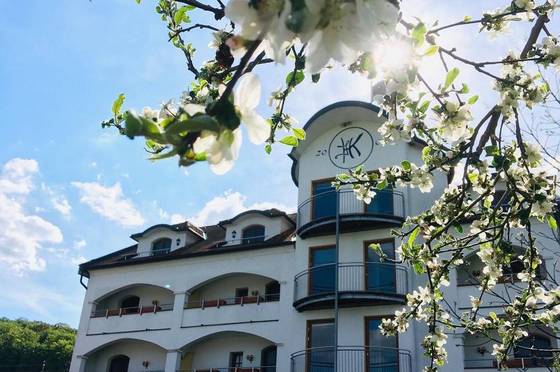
[161, 246]
[253, 234]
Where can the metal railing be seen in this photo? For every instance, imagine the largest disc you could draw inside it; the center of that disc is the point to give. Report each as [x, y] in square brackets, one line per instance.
[245, 300]
[232, 369]
[386, 203]
[529, 362]
[352, 359]
[136, 310]
[371, 277]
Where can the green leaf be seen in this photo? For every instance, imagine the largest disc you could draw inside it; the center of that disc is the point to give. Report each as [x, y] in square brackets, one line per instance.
[451, 76]
[552, 222]
[117, 105]
[181, 16]
[464, 89]
[431, 51]
[467, 19]
[492, 150]
[138, 1]
[140, 126]
[299, 133]
[458, 227]
[413, 236]
[419, 33]
[165, 155]
[268, 148]
[293, 80]
[382, 185]
[194, 124]
[290, 141]
[472, 100]
[406, 165]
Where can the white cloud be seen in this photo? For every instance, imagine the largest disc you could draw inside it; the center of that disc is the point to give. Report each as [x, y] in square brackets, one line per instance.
[58, 201]
[229, 205]
[109, 202]
[79, 244]
[22, 234]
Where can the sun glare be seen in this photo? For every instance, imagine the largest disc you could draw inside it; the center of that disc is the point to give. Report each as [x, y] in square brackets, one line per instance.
[393, 54]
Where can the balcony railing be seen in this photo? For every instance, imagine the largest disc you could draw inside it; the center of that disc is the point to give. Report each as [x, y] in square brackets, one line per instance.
[232, 369]
[317, 214]
[530, 362]
[352, 359]
[245, 300]
[365, 282]
[137, 310]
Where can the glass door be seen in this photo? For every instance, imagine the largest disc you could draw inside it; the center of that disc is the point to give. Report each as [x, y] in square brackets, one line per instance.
[324, 200]
[382, 203]
[320, 341]
[380, 276]
[382, 353]
[322, 269]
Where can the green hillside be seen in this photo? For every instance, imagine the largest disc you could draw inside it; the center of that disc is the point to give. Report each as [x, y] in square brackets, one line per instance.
[30, 346]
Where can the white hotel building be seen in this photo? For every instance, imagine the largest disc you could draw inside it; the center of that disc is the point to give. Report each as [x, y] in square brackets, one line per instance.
[256, 293]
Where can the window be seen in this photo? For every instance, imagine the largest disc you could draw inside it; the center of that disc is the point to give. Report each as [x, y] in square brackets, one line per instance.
[161, 246]
[130, 305]
[241, 292]
[119, 363]
[533, 341]
[324, 199]
[235, 359]
[252, 234]
[380, 276]
[382, 203]
[321, 269]
[272, 291]
[501, 199]
[320, 342]
[382, 351]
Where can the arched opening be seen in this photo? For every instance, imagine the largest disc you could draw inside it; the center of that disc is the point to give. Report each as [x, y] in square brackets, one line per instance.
[233, 289]
[253, 234]
[134, 299]
[119, 363]
[161, 246]
[126, 355]
[229, 351]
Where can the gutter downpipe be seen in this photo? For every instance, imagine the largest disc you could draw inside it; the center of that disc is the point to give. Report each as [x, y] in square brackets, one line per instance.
[337, 256]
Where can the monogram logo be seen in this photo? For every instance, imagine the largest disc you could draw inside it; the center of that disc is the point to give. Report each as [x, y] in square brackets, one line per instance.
[350, 147]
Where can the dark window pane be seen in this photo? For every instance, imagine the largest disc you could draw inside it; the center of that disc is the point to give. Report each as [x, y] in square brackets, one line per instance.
[324, 202]
[322, 270]
[382, 203]
[161, 246]
[253, 234]
[381, 277]
[236, 359]
[381, 360]
[321, 340]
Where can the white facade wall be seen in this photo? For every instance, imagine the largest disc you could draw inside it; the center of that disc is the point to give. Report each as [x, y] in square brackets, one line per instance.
[205, 337]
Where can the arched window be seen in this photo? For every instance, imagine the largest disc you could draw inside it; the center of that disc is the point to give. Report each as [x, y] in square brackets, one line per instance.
[119, 363]
[253, 234]
[161, 246]
[130, 305]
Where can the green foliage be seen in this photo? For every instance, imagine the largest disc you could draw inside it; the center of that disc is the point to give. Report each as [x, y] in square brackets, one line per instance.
[451, 76]
[25, 345]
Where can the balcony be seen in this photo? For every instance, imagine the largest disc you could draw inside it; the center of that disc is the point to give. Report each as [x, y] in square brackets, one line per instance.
[536, 364]
[352, 359]
[359, 284]
[317, 215]
[233, 369]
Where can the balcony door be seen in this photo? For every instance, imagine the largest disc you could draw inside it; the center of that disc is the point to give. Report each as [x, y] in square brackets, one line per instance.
[320, 343]
[380, 276]
[324, 199]
[382, 203]
[382, 353]
[119, 363]
[322, 269]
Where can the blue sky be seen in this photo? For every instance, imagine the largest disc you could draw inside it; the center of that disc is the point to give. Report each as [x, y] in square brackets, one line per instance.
[77, 191]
